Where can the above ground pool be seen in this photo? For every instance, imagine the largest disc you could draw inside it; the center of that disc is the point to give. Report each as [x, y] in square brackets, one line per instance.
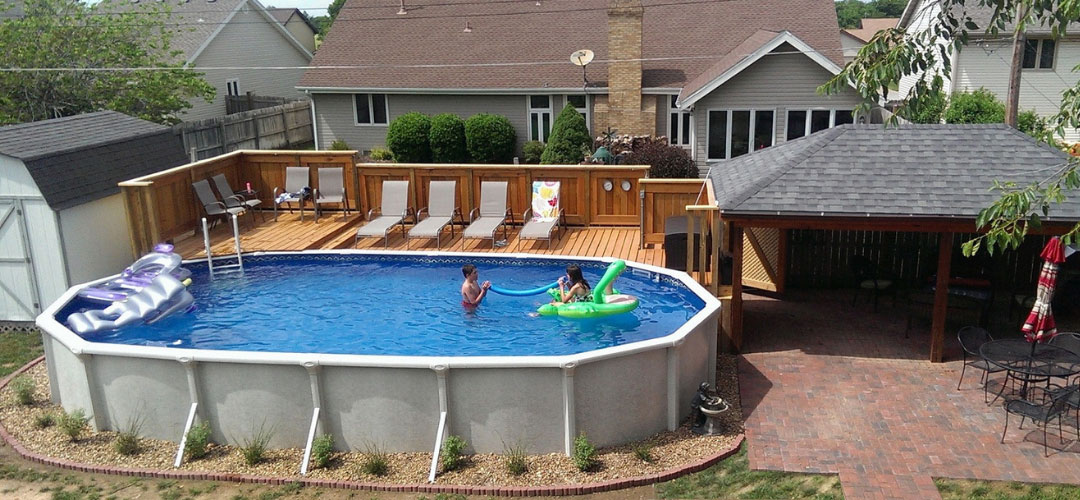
[375, 348]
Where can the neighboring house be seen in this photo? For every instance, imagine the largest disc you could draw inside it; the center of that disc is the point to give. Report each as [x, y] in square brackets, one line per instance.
[298, 25]
[62, 219]
[853, 39]
[719, 78]
[985, 61]
[243, 36]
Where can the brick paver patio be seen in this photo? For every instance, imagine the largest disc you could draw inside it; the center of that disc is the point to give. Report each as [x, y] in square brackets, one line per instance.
[831, 388]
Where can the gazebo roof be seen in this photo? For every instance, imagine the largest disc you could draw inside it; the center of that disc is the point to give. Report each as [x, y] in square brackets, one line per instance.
[870, 171]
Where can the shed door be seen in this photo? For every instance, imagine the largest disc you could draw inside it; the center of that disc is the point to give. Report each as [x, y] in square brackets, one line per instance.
[18, 290]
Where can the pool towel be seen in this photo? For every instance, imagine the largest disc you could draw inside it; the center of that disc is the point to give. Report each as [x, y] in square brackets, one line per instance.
[302, 194]
[545, 200]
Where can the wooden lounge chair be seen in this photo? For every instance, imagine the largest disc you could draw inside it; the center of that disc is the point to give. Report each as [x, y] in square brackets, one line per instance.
[296, 182]
[394, 210]
[331, 190]
[215, 210]
[233, 200]
[493, 213]
[545, 215]
[441, 211]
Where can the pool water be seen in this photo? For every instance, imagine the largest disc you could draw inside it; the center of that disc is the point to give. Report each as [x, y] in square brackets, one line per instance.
[401, 305]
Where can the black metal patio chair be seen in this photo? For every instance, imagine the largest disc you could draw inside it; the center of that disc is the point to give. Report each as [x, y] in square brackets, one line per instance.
[1051, 406]
[1069, 341]
[971, 338]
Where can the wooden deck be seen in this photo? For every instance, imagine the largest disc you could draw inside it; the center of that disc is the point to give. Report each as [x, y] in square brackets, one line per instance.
[334, 232]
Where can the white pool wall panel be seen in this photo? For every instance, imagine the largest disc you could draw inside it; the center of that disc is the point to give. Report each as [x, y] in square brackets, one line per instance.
[396, 409]
[150, 394]
[243, 399]
[516, 406]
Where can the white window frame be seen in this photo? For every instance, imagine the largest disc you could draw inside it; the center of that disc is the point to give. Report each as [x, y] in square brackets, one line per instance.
[232, 86]
[584, 112]
[727, 139]
[1038, 54]
[541, 135]
[371, 110]
[809, 114]
[687, 136]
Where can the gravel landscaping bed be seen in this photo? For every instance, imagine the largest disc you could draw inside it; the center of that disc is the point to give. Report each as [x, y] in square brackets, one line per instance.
[668, 450]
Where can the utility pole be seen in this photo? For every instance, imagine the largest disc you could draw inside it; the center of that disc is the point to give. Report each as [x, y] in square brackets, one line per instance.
[1016, 66]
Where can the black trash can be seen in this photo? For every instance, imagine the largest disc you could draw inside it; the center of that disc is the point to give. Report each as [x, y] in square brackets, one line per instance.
[675, 244]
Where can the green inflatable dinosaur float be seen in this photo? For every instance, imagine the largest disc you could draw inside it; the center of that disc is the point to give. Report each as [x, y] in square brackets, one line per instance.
[603, 304]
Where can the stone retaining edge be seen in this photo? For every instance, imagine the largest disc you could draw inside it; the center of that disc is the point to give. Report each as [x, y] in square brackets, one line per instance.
[501, 491]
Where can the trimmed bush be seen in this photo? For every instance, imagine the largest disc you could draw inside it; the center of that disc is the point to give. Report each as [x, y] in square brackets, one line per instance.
[381, 154]
[198, 438]
[664, 160]
[532, 152]
[569, 139]
[339, 145]
[407, 138]
[447, 139]
[979, 106]
[452, 450]
[490, 138]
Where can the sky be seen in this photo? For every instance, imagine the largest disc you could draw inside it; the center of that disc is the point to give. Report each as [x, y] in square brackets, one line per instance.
[310, 7]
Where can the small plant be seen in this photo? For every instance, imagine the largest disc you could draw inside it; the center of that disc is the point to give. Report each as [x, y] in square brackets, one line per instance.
[532, 151]
[254, 446]
[127, 441]
[377, 462]
[339, 145]
[197, 439]
[584, 453]
[24, 390]
[452, 450]
[322, 450]
[643, 451]
[44, 420]
[72, 423]
[516, 463]
[381, 154]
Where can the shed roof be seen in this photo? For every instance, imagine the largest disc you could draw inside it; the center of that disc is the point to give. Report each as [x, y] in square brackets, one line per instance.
[78, 159]
[873, 171]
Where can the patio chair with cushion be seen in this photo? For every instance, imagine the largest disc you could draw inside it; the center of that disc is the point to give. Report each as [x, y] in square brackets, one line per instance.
[395, 208]
[441, 211]
[297, 190]
[971, 339]
[493, 213]
[331, 190]
[215, 210]
[545, 214]
[1042, 411]
[233, 200]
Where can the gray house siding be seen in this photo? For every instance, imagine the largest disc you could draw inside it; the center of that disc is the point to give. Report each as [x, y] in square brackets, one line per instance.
[775, 82]
[248, 40]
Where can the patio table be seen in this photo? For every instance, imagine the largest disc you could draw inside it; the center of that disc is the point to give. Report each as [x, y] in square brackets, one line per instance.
[1027, 365]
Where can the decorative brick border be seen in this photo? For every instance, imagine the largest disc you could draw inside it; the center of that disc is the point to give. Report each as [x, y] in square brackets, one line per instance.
[506, 491]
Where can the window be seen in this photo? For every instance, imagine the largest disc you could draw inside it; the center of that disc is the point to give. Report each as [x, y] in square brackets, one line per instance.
[232, 86]
[737, 132]
[370, 109]
[679, 129]
[539, 117]
[581, 104]
[805, 122]
[1039, 53]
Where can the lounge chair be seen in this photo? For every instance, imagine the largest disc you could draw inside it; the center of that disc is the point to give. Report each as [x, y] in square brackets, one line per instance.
[215, 210]
[545, 215]
[233, 200]
[331, 190]
[441, 211]
[296, 186]
[395, 201]
[493, 213]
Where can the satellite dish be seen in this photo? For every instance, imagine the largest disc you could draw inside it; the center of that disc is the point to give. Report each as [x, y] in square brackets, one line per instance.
[582, 57]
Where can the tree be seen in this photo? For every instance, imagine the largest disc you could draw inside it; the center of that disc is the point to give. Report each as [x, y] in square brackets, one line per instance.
[331, 14]
[892, 54]
[569, 139]
[849, 12]
[75, 58]
[979, 106]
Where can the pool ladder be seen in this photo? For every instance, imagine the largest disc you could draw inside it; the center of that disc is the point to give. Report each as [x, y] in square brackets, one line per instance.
[238, 265]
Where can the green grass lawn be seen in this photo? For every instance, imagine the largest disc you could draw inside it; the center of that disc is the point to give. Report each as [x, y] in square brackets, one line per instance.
[732, 478]
[956, 489]
[17, 349]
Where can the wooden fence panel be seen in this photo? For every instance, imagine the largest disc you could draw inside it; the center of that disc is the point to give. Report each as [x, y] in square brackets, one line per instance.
[461, 176]
[518, 189]
[622, 203]
[371, 179]
[665, 198]
[278, 127]
[573, 191]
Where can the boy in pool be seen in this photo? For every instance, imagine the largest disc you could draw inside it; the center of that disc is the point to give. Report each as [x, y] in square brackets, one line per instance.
[472, 292]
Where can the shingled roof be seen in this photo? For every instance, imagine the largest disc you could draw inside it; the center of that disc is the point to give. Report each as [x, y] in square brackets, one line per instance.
[873, 171]
[370, 43]
[78, 159]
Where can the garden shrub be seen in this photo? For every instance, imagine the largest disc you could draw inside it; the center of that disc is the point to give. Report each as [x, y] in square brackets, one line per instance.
[127, 440]
[44, 420]
[584, 453]
[978, 106]
[407, 138]
[377, 462]
[452, 450]
[381, 154]
[198, 438]
[339, 145]
[1030, 123]
[490, 138]
[23, 386]
[643, 451]
[447, 139]
[569, 136]
[322, 449]
[532, 151]
[664, 160]
[516, 459]
[72, 424]
[254, 446]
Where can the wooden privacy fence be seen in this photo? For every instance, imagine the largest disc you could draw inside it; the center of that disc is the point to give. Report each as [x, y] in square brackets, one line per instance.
[249, 102]
[162, 206]
[663, 198]
[278, 127]
[589, 194]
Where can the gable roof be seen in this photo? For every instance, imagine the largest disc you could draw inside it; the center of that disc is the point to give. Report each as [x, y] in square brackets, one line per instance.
[741, 57]
[284, 15]
[78, 159]
[518, 45]
[869, 26]
[873, 171]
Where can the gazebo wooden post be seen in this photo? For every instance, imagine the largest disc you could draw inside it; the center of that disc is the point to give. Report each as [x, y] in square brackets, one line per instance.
[736, 287]
[941, 297]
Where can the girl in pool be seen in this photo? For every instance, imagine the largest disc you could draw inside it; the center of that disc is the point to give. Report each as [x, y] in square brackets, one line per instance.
[573, 287]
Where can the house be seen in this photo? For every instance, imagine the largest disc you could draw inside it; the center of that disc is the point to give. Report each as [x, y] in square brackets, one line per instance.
[240, 48]
[985, 61]
[62, 219]
[298, 25]
[853, 39]
[718, 78]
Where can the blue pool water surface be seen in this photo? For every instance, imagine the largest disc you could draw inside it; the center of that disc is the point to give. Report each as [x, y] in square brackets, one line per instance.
[400, 305]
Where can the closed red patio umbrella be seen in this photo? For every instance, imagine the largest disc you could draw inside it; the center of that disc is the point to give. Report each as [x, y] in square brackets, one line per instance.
[1039, 326]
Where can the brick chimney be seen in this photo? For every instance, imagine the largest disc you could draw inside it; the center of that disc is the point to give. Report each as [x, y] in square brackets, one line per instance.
[625, 110]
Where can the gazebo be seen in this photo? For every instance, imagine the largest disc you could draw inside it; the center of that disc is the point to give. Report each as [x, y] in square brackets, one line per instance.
[910, 178]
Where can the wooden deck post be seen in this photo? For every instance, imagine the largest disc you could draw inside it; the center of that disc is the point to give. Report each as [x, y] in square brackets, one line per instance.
[941, 297]
[736, 288]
